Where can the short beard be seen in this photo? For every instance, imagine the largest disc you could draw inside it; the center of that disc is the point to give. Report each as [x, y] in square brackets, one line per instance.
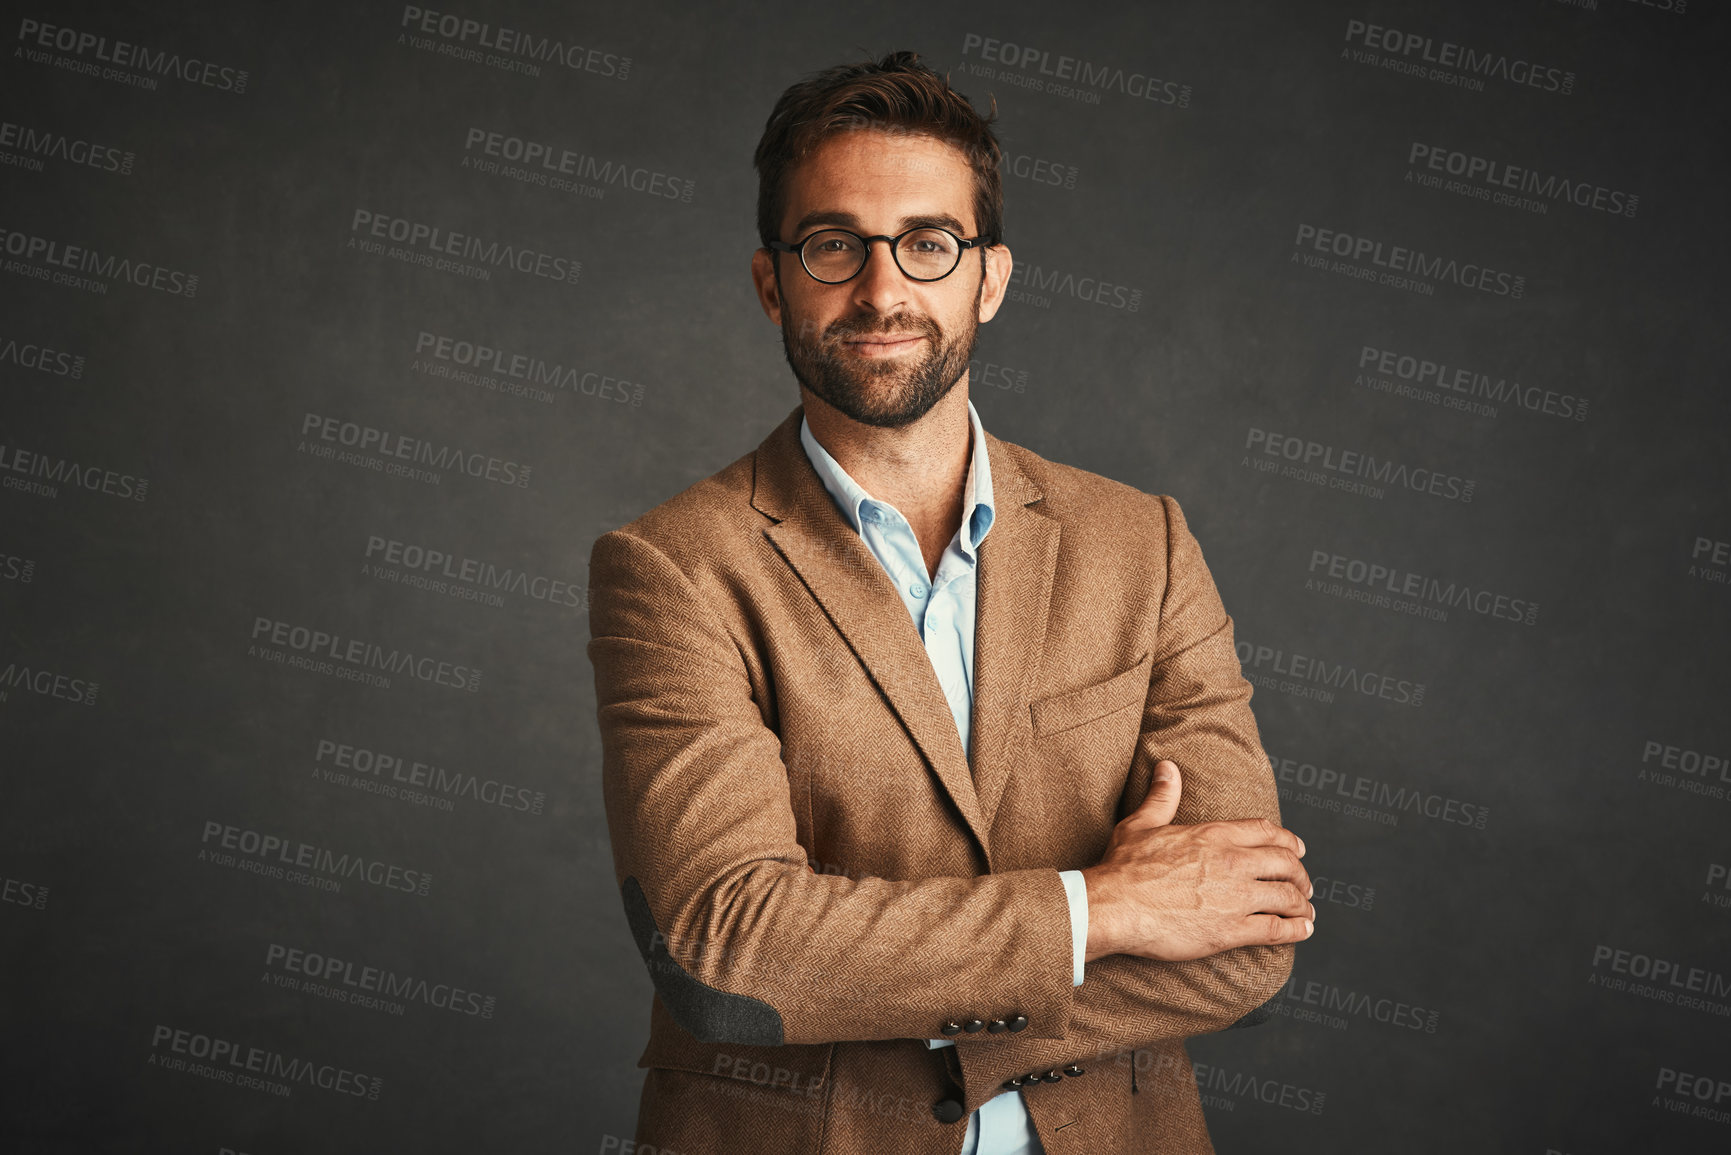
[842, 381]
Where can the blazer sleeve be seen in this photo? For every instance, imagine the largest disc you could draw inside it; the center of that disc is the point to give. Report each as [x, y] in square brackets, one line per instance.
[744, 942]
[1197, 713]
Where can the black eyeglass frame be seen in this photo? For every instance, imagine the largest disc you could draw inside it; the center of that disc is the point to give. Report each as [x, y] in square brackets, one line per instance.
[963, 245]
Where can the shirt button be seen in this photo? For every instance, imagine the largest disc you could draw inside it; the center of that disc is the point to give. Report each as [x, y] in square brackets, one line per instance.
[918, 590]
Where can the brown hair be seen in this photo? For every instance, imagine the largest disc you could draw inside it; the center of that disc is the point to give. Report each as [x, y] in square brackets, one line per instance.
[897, 94]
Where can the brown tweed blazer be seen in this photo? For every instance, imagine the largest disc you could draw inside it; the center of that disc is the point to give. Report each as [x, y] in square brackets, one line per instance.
[819, 882]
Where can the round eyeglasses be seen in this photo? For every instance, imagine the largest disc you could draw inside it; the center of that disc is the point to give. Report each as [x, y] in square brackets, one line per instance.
[922, 254]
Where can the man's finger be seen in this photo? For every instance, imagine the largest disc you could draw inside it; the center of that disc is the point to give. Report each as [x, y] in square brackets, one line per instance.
[1282, 898]
[1261, 832]
[1272, 929]
[1276, 864]
[1161, 804]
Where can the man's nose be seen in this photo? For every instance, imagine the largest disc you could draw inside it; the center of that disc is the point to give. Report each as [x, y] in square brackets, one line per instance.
[881, 286]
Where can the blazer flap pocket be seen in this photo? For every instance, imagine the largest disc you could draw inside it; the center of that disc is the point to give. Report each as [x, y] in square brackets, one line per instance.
[1072, 708]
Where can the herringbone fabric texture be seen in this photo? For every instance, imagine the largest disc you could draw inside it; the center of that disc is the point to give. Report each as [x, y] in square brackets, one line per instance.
[818, 879]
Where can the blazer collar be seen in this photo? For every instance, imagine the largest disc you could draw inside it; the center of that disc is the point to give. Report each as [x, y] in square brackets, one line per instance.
[1016, 563]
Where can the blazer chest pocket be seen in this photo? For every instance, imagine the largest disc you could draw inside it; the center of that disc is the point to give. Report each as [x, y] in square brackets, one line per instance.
[1075, 708]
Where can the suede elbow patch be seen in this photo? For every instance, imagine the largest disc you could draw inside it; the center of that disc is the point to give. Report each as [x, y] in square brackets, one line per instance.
[1260, 1015]
[712, 1016]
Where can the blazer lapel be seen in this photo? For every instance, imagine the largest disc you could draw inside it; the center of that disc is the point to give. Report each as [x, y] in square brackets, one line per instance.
[858, 598]
[1017, 561]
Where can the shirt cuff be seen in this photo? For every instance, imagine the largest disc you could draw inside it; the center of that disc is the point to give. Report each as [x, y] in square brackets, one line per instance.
[1076, 889]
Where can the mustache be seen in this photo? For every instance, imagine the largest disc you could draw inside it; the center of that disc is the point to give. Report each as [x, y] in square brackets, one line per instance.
[844, 329]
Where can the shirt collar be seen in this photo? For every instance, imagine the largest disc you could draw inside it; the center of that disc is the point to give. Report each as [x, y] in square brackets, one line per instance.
[977, 511]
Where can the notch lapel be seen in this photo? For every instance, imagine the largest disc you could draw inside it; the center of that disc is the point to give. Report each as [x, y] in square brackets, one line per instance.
[857, 596]
[1017, 561]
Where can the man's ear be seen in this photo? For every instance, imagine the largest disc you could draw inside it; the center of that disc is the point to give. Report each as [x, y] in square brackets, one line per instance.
[996, 281]
[763, 278]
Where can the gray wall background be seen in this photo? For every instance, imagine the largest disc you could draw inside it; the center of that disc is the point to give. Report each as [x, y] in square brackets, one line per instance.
[1524, 919]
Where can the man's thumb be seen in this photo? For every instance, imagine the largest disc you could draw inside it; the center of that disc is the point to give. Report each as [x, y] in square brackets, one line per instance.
[1162, 801]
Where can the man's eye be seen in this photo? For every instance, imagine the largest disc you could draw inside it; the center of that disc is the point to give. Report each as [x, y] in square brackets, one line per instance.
[832, 245]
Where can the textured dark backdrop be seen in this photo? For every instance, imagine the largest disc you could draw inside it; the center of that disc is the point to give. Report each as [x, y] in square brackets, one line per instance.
[323, 365]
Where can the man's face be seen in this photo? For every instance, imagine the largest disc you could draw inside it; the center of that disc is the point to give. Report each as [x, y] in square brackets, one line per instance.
[881, 348]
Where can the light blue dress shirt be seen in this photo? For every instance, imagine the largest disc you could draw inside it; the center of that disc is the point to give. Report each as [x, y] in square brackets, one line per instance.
[942, 606]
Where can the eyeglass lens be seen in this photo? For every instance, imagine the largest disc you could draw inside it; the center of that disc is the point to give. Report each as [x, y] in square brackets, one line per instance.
[925, 254]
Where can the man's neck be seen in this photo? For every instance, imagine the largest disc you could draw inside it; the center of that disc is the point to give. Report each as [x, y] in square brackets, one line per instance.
[921, 468]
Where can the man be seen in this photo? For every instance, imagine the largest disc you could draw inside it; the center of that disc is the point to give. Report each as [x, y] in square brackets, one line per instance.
[893, 714]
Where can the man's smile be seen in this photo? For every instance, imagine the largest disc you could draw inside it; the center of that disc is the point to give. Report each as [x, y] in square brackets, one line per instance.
[884, 344]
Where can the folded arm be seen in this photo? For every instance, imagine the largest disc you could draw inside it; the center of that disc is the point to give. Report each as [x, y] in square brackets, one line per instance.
[744, 942]
[1197, 715]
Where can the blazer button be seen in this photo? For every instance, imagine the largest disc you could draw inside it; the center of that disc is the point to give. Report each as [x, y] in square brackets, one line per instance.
[973, 1026]
[946, 1110]
[951, 1028]
[1054, 1076]
[997, 1026]
[1013, 1083]
[1073, 1069]
[1018, 1022]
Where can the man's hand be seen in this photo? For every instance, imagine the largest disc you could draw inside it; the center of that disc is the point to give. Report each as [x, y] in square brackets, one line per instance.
[1186, 892]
